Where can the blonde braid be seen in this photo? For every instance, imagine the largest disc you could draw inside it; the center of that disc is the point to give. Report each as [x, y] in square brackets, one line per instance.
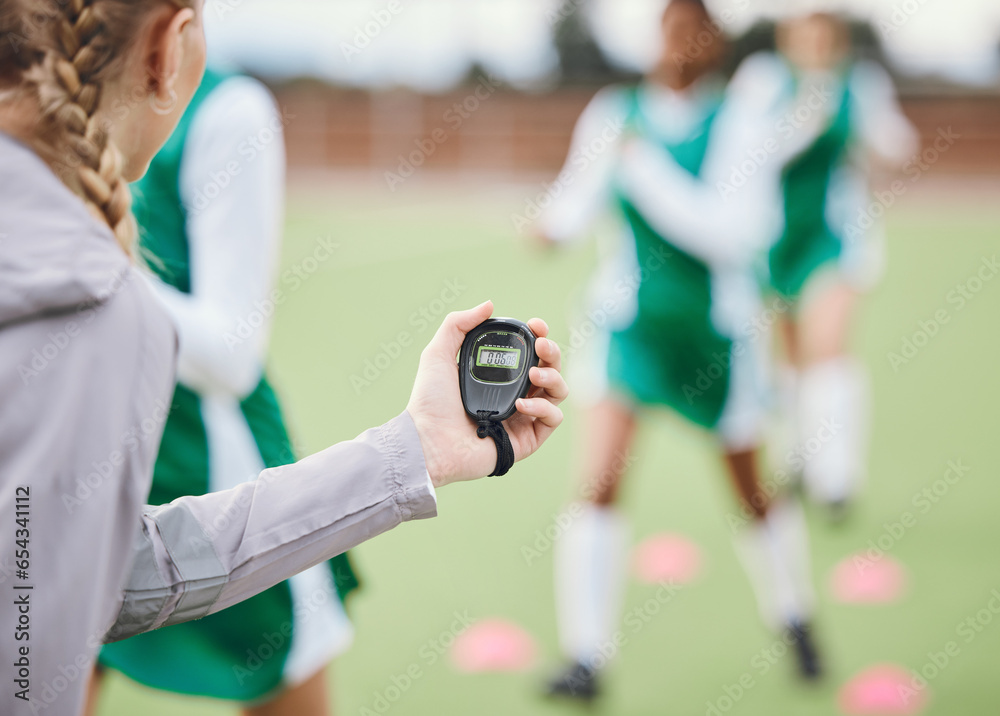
[69, 93]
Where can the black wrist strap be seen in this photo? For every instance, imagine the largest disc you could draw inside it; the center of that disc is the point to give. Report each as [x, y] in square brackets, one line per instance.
[495, 429]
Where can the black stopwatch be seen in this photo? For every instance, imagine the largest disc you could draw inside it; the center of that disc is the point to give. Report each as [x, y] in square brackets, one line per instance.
[494, 363]
[493, 373]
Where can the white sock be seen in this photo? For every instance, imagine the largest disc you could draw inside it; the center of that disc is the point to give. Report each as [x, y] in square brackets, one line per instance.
[775, 554]
[590, 575]
[833, 428]
[785, 435]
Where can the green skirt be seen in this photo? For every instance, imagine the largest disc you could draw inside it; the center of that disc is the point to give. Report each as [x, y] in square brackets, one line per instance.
[796, 257]
[679, 361]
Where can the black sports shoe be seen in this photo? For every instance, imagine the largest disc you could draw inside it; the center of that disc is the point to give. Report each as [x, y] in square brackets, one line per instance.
[838, 511]
[578, 681]
[800, 636]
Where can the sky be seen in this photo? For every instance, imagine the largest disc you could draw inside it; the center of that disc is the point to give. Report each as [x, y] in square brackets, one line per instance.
[430, 44]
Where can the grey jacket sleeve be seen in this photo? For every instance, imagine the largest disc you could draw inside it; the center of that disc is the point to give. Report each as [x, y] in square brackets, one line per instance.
[198, 555]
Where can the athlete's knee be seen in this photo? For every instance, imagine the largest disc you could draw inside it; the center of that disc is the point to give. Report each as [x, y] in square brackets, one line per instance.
[601, 490]
[757, 504]
[826, 323]
[601, 487]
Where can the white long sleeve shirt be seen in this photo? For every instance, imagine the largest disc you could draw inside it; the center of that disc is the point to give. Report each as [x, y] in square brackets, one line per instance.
[234, 237]
[87, 360]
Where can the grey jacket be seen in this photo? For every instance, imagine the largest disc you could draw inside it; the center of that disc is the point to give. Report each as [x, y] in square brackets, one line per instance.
[86, 377]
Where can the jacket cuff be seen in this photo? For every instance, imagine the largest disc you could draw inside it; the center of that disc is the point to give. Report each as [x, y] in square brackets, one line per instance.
[414, 494]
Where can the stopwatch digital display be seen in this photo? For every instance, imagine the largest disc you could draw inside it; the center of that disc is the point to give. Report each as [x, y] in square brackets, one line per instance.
[493, 365]
[498, 357]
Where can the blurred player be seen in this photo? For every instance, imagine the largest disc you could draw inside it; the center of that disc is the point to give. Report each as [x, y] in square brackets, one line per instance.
[832, 247]
[210, 213]
[90, 91]
[669, 311]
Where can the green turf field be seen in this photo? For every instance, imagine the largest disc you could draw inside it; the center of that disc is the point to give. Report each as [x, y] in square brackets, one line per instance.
[394, 261]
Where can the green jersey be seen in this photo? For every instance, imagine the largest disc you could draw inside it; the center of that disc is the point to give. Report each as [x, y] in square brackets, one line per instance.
[207, 657]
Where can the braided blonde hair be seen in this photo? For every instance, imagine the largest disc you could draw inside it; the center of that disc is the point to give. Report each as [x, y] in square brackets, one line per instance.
[59, 53]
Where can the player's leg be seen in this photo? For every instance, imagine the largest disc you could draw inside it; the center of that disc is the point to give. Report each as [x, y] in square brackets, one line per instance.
[591, 556]
[310, 698]
[833, 396]
[742, 467]
[608, 432]
[94, 691]
[784, 443]
[789, 335]
[773, 547]
[773, 544]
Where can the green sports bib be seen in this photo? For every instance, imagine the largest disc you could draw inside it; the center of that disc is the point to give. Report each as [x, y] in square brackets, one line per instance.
[199, 657]
[808, 241]
[666, 354]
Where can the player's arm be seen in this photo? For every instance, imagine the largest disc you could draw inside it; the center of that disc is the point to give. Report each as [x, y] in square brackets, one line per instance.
[883, 129]
[585, 180]
[198, 555]
[761, 113]
[732, 209]
[710, 217]
[232, 183]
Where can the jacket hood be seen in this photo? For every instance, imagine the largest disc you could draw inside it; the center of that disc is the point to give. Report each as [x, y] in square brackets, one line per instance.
[54, 256]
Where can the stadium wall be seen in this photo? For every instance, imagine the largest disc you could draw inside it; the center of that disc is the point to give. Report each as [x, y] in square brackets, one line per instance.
[487, 129]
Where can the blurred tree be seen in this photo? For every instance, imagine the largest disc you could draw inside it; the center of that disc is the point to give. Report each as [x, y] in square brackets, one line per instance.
[581, 59]
[759, 37]
[583, 62]
[867, 42]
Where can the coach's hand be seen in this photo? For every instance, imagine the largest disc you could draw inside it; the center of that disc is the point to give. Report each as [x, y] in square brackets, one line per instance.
[448, 436]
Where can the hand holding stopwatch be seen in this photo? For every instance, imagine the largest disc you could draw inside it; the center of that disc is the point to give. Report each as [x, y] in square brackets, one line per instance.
[493, 373]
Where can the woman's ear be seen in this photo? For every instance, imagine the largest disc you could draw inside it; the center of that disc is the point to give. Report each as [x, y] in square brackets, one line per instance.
[165, 56]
